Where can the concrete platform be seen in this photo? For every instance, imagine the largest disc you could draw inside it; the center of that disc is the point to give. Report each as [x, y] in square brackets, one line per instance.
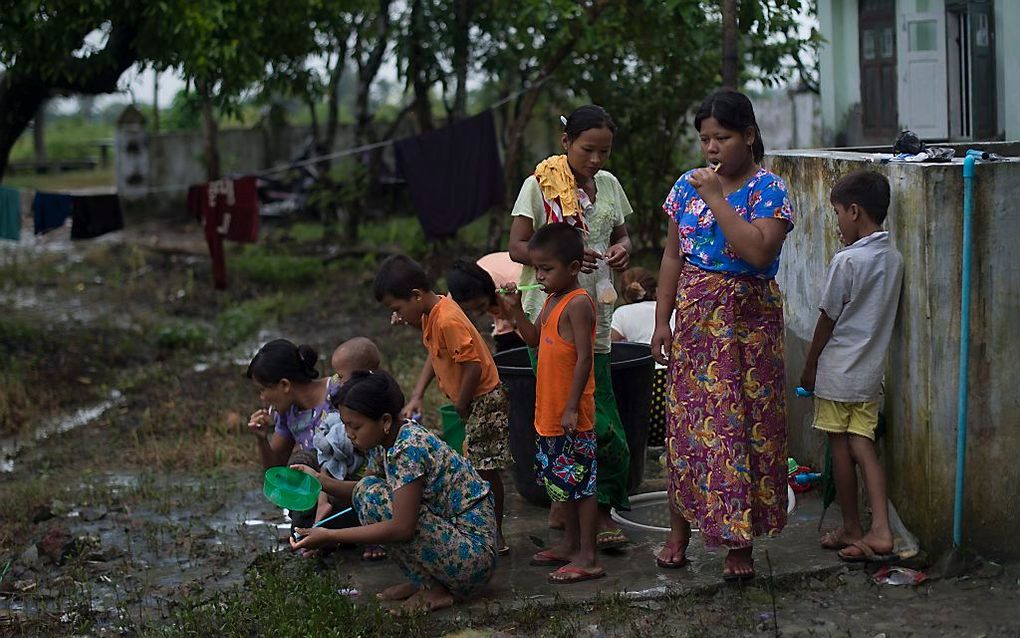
[630, 571]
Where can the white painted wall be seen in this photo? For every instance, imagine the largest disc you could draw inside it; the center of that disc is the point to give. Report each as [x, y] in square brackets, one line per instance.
[840, 79]
[1007, 56]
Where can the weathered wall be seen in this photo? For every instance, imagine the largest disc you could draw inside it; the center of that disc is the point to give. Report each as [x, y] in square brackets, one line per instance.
[925, 220]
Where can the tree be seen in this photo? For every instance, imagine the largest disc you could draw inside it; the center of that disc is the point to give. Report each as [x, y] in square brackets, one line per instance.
[651, 86]
[65, 47]
[44, 52]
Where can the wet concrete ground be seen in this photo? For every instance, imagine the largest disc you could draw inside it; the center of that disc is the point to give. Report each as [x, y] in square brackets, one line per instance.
[630, 571]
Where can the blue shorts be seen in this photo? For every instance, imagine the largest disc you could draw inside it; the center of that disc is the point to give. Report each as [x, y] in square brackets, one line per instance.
[567, 465]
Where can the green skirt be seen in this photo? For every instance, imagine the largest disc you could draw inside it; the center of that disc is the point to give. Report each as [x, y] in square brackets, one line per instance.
[612, 454]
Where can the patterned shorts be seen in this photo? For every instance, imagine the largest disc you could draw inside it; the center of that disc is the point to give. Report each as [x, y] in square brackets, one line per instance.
[487, 431]
[567, 465]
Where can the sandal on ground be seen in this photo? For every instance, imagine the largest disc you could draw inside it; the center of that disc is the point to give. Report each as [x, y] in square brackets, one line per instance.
[373, 553]
[503, 551]
[673, 563]
[546, 558]
[568, 575]
[867, 554]
[610, 539]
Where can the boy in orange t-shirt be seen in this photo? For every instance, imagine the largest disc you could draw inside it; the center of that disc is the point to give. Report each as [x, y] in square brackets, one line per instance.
[460, 359]
[564, 396]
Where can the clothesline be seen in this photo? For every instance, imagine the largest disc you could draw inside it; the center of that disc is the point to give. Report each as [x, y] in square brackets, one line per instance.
[343, 152]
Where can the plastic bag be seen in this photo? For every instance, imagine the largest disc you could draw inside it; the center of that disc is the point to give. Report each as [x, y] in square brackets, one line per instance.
[604, 288]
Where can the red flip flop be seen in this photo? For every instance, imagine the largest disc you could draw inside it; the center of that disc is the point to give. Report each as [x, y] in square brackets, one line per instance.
[578, 575]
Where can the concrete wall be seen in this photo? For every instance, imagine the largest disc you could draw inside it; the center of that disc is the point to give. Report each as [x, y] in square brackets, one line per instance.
[1007, 52]
[788, 119]
[919, 449]
[839, 73]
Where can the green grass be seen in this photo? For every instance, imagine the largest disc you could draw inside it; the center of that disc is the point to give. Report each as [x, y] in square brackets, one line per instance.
[284, 597]
[66, 138]
[244, 320]
[63, 181]
[261, 266]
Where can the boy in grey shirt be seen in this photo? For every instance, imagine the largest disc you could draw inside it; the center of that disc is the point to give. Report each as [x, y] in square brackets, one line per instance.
[846, 361]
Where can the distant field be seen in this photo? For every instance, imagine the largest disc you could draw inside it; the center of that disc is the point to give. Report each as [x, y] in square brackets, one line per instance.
[62, 181]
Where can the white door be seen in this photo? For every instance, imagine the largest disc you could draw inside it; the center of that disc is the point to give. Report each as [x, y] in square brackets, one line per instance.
[923, 78]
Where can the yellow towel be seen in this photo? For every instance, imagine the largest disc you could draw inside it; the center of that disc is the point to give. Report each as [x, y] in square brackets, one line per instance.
[557, 182]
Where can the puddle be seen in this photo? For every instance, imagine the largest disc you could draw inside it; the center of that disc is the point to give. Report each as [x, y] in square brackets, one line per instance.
[185, 534]
[10, 447]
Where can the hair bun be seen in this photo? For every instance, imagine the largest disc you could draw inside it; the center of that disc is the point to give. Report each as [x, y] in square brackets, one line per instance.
[309, 358]
[563, 120]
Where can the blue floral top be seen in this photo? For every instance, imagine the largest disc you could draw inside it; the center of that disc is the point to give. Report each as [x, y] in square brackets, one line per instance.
[451, 484]
[702, 241]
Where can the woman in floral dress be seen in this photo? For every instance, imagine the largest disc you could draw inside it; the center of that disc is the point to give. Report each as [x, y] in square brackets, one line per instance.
[726, 434]
[419, 499]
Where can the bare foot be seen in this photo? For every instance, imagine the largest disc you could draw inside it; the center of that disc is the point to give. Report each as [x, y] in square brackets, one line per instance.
[426, 600]
[880, 544]
[403, 591]
[838, 538]
[673, 554]
[738, 564]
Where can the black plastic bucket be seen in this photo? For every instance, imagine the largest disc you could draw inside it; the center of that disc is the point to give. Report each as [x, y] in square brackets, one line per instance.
[632, 369]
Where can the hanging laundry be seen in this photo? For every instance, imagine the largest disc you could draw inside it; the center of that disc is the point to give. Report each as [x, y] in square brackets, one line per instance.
[10, 213]
[95, 215]
[229, 209]
[50, 211]
[454, 174]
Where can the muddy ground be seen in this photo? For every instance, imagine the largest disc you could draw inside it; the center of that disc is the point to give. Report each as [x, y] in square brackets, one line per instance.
[131, 503]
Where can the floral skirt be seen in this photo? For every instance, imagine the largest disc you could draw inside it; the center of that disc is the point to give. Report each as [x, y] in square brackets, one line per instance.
[458, 553]
[726, 432]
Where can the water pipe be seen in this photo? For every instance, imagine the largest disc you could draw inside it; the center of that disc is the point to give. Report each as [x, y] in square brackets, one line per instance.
[961, 424]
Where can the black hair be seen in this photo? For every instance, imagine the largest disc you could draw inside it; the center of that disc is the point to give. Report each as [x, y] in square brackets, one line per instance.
[733, 111]
[398, 275]
[371, 394]
[281, 359]
[467, 280]
[561, 239]
[867, 189]
[587, 117]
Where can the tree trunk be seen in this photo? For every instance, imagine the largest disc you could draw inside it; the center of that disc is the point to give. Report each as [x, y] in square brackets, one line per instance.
[729, 44]
[21, 95]
[155, 100]
[368, 68]
[517, 124]
[417, 70]
[463, 10]
[39, 135]
[210, 130]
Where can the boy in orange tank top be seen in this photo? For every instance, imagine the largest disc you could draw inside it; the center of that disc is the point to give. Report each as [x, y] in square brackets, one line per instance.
[564, 396]
[460, 360]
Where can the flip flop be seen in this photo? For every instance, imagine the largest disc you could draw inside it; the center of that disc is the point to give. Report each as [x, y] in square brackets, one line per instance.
[610, 539]
[503, 551]
[373, 553]
[830, 540]
[580, 575]
[546, 559]
[867, 554]
[738, 578]
[672, 564]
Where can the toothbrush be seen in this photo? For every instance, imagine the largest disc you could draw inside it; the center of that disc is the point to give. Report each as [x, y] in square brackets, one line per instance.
[298, 537]
[504, 291]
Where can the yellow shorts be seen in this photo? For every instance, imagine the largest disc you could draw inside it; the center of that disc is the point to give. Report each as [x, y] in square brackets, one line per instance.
[837, 417]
